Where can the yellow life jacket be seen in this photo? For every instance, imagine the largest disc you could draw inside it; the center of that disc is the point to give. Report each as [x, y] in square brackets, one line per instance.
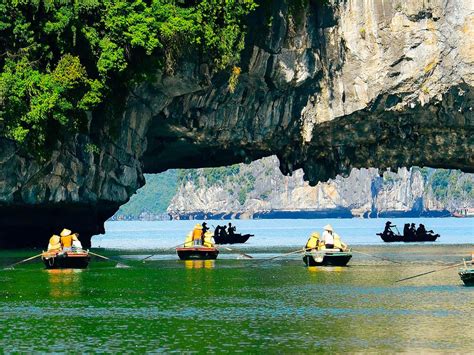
[208, 240]
[338, 243]
[312, 242]
[189, 240]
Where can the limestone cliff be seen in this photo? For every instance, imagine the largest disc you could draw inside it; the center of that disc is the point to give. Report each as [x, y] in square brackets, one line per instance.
[360, 83]
[259, 190]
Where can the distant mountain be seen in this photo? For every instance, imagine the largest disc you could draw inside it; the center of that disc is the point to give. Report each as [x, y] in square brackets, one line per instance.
[259, 190]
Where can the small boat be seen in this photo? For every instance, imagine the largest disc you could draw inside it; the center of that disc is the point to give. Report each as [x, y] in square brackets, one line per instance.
[467, 273]
[327, 257]
[232, 239]
[389, 238]
[467, 276]
[410, 234]
[66, 260]
[197, 253]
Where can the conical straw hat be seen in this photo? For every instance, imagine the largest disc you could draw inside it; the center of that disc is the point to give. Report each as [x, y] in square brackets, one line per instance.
[54, 239]
[65, 232]
[328, 228]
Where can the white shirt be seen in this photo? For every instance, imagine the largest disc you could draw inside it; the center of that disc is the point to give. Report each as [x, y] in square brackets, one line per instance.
[328, 238]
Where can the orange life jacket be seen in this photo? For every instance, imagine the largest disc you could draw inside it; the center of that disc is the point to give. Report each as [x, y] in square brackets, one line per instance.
[197, 234]
[66, 241]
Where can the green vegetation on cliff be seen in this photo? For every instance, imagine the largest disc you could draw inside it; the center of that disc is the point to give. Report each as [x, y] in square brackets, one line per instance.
[60, 59]
[154, 198]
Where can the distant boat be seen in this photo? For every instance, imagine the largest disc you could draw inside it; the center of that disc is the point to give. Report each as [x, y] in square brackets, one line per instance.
[326, 258]
[232, 239]
[197, 253]
[389, 238]
[66, 260]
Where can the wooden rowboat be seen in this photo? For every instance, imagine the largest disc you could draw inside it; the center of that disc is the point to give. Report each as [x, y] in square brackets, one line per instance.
[66, 260]
[197, 253]
[327, 258]
[232, 239]
[467, 276]
[428, 237]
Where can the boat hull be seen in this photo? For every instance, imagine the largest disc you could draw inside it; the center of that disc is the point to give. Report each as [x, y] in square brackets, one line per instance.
[68, 260]
[467, 276]
[234, 239]
[197, 253]
[401, 238]
[326, 258]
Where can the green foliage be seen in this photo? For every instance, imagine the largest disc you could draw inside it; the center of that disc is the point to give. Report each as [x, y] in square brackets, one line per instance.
[439, 182]
[154, 197]
[92, 148]
[211, 176]
[62, 58]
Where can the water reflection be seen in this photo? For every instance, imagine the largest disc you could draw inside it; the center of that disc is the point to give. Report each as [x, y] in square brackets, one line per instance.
[314, 269]
[199, 264]
[64, 283]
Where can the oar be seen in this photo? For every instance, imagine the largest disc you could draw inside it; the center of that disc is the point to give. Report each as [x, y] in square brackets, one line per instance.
[397, 230]
[119, 264]
[429, 272]
[377, 257]
[149, 256]
[282, 255]
[11, 267]
[243, 254]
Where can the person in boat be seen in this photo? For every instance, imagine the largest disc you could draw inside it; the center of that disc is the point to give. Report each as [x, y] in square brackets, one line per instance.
[223, 232]
[231, 230]
[205, 228]
[421, 230]
[328, 236]
[76, 243]
[412, 231]
[188, 242]
[339, 244]
[197, 234]
[313, 242]
[54, 243]
[217, 231]
[388, 229]
[207, 241]
[406, 230]
[66, 239]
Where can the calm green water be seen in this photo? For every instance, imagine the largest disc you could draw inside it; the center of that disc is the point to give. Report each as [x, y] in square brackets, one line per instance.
[228, 305]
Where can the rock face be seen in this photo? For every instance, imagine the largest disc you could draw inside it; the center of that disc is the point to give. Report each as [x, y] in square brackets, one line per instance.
[360, 83]
[259, 190]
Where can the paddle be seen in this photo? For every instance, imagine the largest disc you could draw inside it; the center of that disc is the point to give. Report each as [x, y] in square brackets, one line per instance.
[148, 257]
[282, 255]
[11, 267]
[375, 256]
[243, 254]
[428, 272]
[119, 264]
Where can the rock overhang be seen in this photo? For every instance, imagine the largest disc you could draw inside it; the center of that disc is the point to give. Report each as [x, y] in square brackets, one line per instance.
[326, 88]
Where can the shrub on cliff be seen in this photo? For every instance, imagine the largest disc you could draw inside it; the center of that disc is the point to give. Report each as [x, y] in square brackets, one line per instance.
[62, 58]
